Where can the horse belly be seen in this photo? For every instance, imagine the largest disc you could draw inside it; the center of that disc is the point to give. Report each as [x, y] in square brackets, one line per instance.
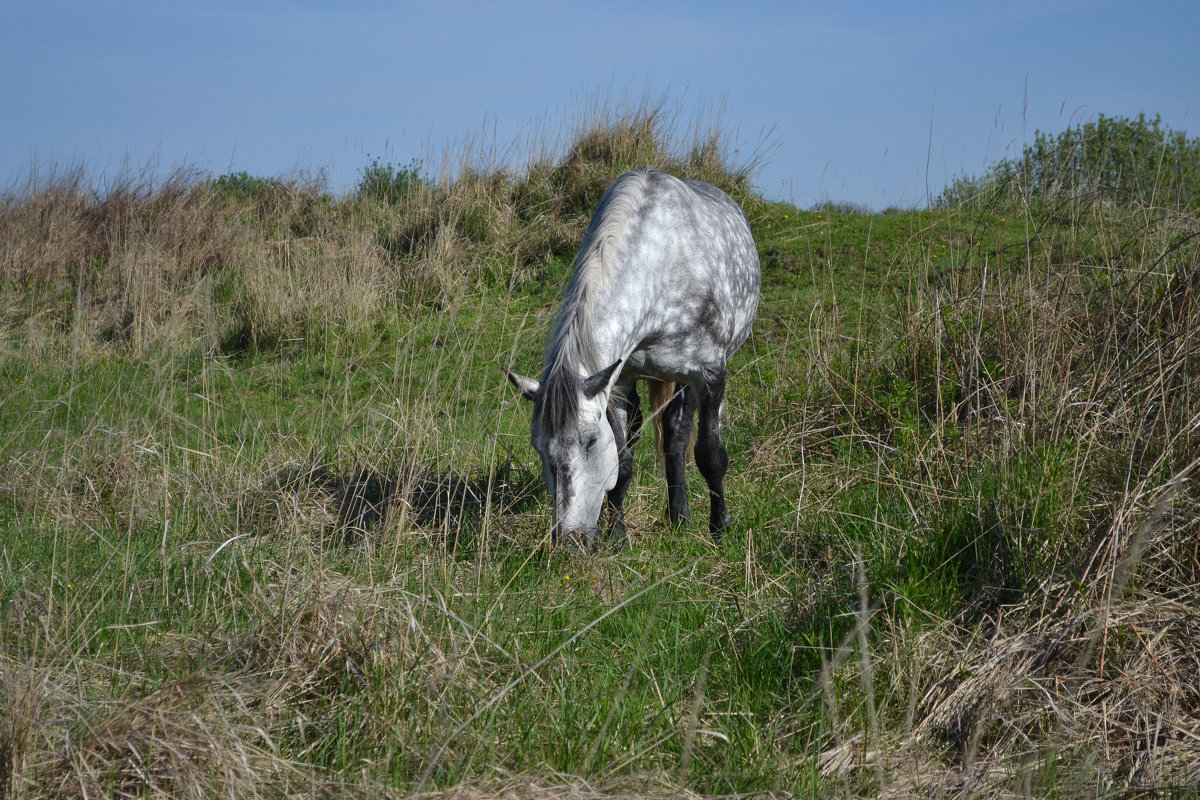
[683, 359]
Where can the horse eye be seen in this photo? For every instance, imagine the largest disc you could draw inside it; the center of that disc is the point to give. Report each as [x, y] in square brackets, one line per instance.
[591, 443]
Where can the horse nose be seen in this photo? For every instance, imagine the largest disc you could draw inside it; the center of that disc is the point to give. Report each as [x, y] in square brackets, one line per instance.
[573, 537]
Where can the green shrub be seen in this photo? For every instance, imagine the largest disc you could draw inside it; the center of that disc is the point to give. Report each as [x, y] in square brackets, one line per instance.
[1116, 159]
[389, 182]
[242, 185]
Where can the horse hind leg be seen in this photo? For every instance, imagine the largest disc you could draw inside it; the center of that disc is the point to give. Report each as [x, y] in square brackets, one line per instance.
[711, 456]
[676, 436]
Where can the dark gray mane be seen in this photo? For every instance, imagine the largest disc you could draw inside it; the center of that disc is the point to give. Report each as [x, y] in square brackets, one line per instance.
[556, 407]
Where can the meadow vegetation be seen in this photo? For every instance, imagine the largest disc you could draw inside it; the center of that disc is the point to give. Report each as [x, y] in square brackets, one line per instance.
[270, 524]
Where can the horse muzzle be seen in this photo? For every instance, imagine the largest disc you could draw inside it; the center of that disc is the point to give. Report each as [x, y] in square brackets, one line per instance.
[581, 538]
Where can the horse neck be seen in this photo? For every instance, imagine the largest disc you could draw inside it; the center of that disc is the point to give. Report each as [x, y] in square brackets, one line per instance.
[600, 324]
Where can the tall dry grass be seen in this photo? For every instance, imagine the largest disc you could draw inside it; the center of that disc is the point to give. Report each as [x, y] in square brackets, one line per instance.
[1036, 413]
[149, 263]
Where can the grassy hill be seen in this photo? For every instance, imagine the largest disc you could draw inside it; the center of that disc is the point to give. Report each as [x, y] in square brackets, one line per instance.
[271, 524]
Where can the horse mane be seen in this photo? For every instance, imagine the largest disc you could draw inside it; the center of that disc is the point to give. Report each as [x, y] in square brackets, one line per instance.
[571, 347]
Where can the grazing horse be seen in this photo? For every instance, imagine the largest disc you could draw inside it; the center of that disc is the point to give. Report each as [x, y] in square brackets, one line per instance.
[664, 288]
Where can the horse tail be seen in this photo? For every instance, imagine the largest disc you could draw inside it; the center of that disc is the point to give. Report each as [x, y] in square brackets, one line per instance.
[661, 393]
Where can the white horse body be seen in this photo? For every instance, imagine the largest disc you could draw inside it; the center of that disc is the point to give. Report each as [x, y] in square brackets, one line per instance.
[665, 287]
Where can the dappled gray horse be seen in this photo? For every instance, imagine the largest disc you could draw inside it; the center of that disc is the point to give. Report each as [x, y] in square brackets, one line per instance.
[665, 288]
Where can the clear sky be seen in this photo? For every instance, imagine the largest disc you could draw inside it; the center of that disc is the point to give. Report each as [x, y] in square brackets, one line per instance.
[870, 102]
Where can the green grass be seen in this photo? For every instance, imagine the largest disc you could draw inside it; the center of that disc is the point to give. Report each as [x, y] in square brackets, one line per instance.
[931, 432]
[144, 465]
[154, 457]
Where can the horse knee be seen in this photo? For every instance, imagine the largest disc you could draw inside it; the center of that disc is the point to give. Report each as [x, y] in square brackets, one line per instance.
[711, 456]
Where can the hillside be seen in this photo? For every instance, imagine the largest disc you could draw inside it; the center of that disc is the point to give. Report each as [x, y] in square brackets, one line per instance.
[272, 525]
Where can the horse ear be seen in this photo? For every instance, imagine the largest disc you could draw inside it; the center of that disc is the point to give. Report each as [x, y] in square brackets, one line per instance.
[594, 383]
[528, 386]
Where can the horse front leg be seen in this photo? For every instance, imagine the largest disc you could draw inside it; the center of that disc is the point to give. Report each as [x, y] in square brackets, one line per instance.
[676, 435]
[711, 457]
[625, 418]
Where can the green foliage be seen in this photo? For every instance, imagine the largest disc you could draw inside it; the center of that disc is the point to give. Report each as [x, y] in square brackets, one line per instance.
[388, 182]
[1115, 159]
[243, 186]
[843, 207]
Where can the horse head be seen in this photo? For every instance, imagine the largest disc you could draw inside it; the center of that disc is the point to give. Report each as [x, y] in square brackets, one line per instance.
[571, 433]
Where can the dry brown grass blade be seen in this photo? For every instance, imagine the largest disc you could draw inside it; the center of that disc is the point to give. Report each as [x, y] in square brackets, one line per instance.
[1126, 719]
[194, 737]
[650, 787]
[25, 692]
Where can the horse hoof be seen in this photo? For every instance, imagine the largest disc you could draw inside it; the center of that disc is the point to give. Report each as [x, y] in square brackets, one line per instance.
[718, 525]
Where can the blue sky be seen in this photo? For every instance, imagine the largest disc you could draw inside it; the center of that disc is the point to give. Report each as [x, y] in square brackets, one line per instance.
[870, 102]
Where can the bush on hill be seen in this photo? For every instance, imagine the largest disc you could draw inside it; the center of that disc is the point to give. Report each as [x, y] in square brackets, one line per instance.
[1118, 160]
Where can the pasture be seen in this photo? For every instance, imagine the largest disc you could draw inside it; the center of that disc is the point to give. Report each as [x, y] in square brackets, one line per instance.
[270, 524]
